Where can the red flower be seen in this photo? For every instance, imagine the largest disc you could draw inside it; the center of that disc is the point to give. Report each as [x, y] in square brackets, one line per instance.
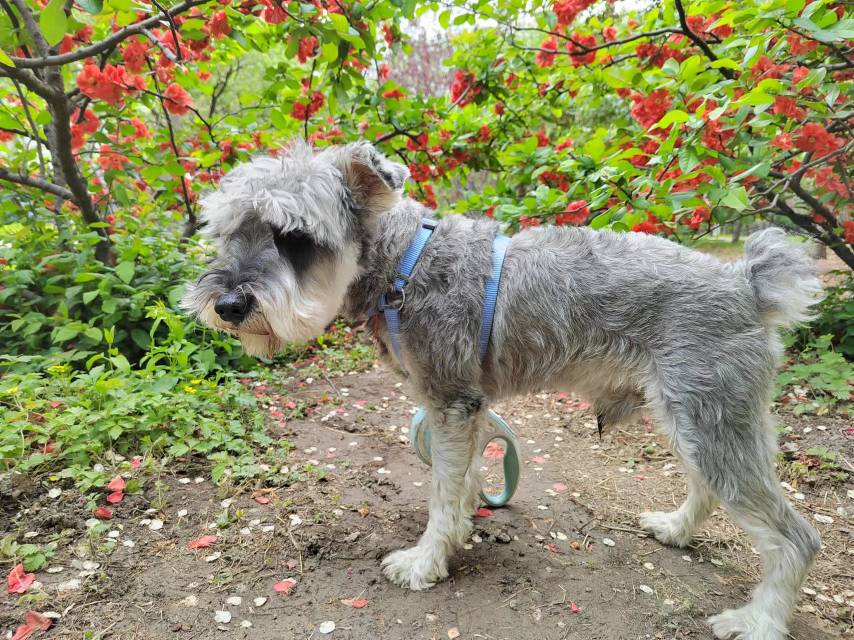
[273, 13]
[218, 27]
[700, 215]
[566, 10]
[848, 231]
[525, 222]
[609, 34]
[134, 55]
[578, 52]
[814, 138]
[102, 513]
[799, 46]
[490, 213]
[139, 129]
[542, 139]
[786, 106]
[464, 88]
[544, 58]
[90, 122]
[393, 94]
[110, 159]
[576, 212]
[430, 197]
[498, 108]
[648, 110]
[651, 225]
[388, 34]
[419, 172]
[485, 133]
[765, 68]
[382, 73]
[655, 54]
[307, 48]
[783, 141]
[178, 101]
[554, 179]
[419, 143]
[89, 80]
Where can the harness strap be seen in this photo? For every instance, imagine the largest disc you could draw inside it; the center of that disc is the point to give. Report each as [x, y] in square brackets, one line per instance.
[391, 303]
[499, 249]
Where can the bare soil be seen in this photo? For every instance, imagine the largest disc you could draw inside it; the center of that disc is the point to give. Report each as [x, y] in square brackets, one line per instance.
[542, 568]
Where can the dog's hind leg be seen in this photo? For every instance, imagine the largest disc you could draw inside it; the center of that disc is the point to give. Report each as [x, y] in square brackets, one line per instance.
[787, 545]
[452, 447]
[728, 452]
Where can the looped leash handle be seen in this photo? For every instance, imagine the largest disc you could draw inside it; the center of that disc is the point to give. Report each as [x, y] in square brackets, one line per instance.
[419, 434]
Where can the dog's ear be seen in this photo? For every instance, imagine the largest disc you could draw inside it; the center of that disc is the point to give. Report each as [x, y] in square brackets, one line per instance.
[375, 182]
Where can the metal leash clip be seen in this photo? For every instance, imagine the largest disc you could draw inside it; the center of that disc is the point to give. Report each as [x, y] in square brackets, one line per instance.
[419, 434]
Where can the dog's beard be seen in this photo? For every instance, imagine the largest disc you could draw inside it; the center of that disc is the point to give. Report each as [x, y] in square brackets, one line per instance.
[288, 311]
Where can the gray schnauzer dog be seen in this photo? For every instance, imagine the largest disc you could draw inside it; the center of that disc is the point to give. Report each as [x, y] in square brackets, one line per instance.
[631, 321]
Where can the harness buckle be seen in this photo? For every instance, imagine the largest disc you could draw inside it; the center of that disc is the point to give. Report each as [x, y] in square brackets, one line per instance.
[394, 299]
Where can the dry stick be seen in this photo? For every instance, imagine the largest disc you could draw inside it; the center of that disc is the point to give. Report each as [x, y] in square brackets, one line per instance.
[683, 20]
[38, 183]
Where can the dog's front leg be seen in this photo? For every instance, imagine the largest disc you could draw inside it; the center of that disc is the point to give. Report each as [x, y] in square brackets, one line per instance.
[453, 429]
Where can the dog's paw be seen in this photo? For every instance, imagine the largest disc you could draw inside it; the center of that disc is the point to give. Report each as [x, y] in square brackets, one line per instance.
[666, 527]
[743, 624]
[416, 568]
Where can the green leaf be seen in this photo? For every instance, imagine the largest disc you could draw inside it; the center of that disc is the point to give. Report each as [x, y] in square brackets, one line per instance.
[64, 334]
[677, 115]
[329, 52]
[736, 199]
[53, 22]
[91, 6]
[5, 59]
[124, 270]
[725, 63]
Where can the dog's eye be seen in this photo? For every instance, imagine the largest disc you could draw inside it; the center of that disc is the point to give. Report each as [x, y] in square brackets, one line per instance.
[294, 246]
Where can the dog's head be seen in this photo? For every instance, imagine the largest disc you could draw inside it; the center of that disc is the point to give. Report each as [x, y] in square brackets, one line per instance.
[289, 233]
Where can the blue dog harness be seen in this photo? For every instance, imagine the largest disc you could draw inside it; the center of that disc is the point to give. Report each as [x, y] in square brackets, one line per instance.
[392, 302]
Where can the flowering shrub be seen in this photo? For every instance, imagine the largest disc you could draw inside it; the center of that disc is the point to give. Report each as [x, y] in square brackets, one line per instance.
[674, 119]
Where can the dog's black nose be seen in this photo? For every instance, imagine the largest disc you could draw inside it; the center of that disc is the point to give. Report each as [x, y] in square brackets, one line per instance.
[233, 306]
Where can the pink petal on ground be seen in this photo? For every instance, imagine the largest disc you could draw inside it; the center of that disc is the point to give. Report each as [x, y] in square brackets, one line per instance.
[538, 460]
[493, 450]
[19, 581]
[117, 484]
[38, 621]
[483, 512]
[356, 603]
[115, 497]
[23, 632]
[202, 543]
[284, 586]
[559, 487]
[102, 513]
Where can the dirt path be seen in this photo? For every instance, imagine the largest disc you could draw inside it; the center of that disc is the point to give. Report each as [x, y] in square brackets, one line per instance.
[544, 568]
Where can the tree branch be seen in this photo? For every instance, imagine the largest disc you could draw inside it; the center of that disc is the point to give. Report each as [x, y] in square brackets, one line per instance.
[683, 20]
[102, 45]
[38, 183]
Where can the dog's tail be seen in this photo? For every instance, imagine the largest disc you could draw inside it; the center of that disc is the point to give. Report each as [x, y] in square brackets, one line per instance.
[784, 278]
